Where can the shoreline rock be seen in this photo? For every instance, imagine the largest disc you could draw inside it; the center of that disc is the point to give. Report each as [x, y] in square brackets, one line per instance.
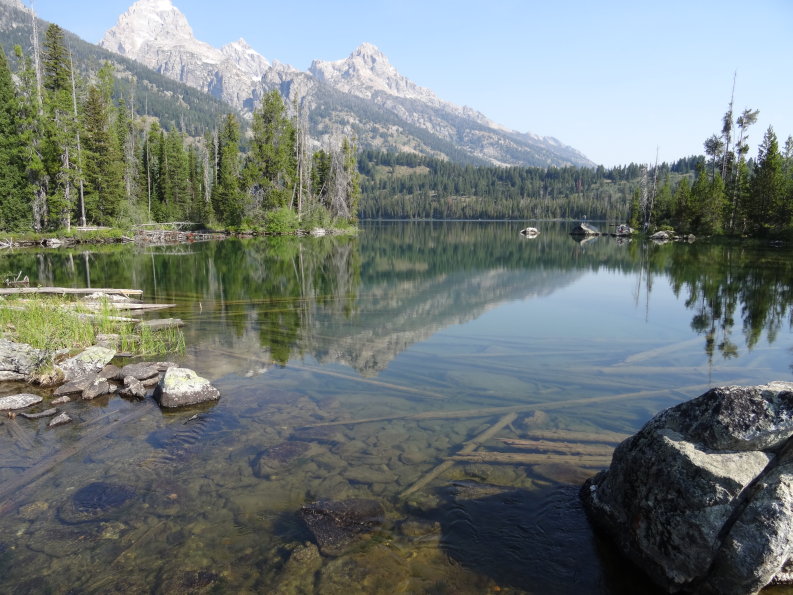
[701, 498]
[181, 387]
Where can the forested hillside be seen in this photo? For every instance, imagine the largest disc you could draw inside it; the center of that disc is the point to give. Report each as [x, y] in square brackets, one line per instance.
[412, 186]
[723, 192]
[77, 150]
[173, 104]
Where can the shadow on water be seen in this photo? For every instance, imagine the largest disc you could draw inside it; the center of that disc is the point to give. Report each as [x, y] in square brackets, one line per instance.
[538, 541]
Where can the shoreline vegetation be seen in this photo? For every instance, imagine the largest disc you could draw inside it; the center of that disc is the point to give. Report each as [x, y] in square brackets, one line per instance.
[62, 324]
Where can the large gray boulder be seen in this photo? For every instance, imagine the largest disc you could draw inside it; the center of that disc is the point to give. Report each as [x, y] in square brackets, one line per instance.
[18, 361]
[181, 387]
[88, 362]
[701, 498]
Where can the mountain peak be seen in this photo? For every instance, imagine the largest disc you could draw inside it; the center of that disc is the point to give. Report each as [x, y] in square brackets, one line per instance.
[15, 3]
[368, 50]
[144, 22]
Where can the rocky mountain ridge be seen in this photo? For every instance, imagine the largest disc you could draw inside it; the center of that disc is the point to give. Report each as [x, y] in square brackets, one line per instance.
[362, 95]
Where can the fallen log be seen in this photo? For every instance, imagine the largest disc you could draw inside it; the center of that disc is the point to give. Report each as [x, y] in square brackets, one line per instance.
[66, 291]
[160, 324]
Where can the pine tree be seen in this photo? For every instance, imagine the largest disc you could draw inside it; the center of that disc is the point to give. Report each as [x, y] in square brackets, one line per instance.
[33, 131]
[769, 201]
[103, 160]
[270, 172]
[59, 150]
[227, 198]
[682, 214]
[15, 193]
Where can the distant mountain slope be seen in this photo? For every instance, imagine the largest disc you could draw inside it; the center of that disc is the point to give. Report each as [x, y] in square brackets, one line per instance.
[174, 104]
[362, 94]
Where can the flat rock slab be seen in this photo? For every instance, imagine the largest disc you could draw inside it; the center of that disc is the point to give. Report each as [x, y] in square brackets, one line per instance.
[78, 385]
[336, 524]
[19, 401]
[90, 361]
[181, 387]
[144, 370]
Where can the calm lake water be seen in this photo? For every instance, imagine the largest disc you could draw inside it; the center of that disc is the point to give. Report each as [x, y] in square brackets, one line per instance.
[463, 377]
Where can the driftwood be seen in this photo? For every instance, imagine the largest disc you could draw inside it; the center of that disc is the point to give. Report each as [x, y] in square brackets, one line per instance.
[519, 458]
[66, 291]
[161, 323]
[126, 306]
[467, 448]
[89, 316]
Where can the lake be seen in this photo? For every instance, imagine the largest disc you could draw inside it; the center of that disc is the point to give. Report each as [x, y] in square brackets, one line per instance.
[464, 378]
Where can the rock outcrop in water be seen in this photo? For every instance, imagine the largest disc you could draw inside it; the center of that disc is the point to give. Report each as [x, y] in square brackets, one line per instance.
[335, 525]
[701, 498]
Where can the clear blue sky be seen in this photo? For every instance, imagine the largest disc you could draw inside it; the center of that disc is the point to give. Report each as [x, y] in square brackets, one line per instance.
[615, 80]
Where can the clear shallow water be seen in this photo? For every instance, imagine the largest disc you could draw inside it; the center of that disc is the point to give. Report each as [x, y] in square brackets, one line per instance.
[368, 368]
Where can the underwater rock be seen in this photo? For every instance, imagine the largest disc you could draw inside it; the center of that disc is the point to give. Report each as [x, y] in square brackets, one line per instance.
[335, 525]
[60, 420]
[275, 459]
[181, 387]
[701, 498]
[19, 401]
[96, 501]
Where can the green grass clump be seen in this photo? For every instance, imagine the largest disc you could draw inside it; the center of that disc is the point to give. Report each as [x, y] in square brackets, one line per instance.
[59, 323]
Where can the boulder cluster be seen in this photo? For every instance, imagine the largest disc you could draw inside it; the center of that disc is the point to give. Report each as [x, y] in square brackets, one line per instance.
[90, 374]
[701, 498]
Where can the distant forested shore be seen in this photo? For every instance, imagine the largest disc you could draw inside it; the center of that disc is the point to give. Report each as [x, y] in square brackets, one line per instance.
[722, 192]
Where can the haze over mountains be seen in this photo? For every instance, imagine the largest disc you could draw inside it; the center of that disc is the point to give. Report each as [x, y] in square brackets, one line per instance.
[362, 95]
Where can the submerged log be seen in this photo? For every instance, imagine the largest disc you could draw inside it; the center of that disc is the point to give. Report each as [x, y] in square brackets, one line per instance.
[574, 436]
[561, 447]
[519, 458]
[467, 448]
